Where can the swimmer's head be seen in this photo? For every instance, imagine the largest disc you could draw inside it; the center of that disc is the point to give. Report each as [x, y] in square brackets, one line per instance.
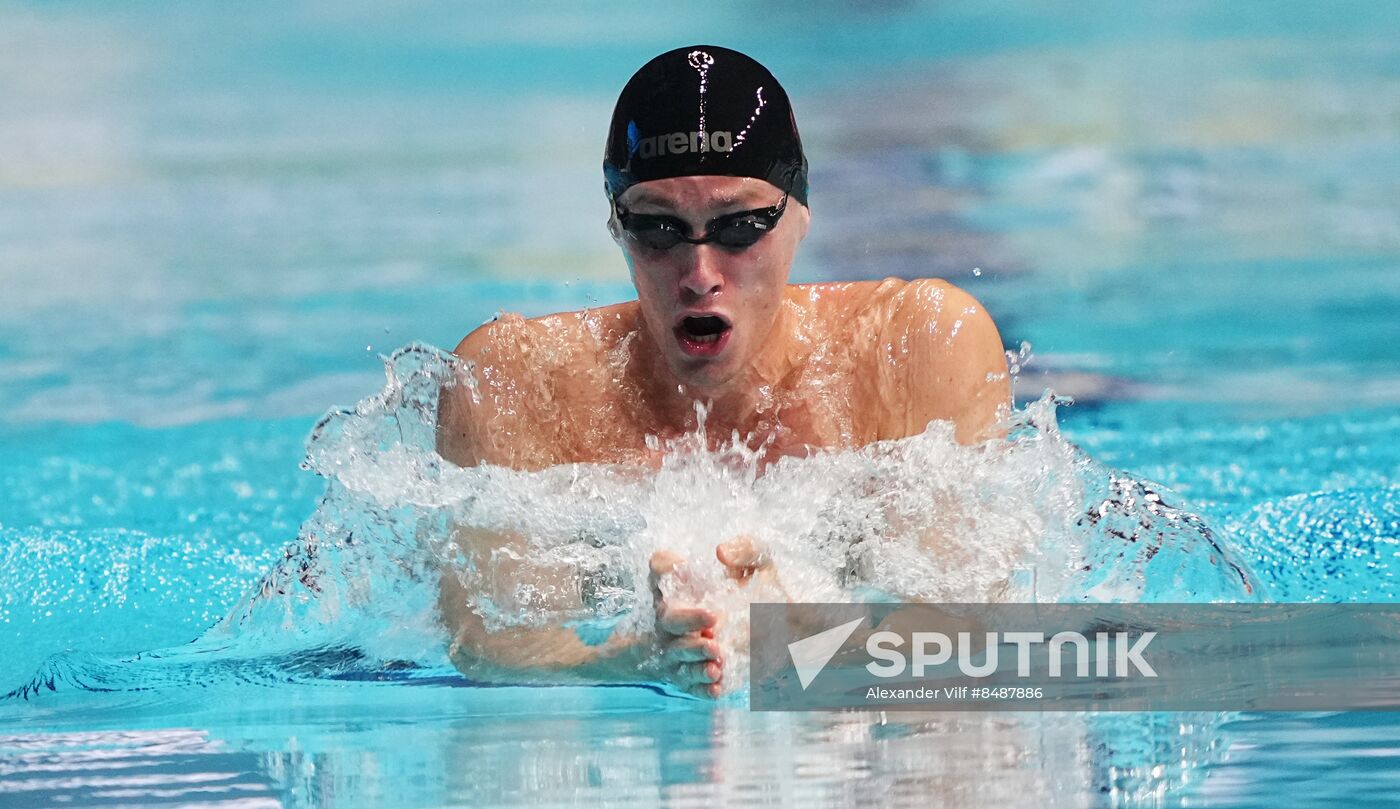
[704, 110]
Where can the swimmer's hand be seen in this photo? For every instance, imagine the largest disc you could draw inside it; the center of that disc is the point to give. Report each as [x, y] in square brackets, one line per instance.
[746, 562]
[680, 651]
[683, 650]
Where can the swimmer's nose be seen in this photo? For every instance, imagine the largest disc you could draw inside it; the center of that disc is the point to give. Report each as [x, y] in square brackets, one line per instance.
[701, 275]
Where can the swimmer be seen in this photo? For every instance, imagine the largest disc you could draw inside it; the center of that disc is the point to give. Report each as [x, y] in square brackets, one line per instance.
[707, 183]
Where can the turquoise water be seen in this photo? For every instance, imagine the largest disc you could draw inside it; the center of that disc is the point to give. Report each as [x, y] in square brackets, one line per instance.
[214, 222]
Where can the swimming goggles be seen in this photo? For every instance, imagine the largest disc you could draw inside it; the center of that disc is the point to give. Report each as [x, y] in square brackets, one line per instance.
[740, 229]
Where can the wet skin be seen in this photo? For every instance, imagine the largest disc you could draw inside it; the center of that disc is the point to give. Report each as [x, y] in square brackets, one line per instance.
[794, 369]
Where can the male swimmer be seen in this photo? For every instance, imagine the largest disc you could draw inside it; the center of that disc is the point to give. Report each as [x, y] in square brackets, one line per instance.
[707, 183]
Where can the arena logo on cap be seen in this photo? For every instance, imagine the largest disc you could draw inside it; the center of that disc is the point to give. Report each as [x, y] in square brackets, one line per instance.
[682, 143]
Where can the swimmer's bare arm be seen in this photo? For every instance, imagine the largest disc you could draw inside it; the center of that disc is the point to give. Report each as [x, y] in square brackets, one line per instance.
[682, 653]
[953, 368]
[473, 430]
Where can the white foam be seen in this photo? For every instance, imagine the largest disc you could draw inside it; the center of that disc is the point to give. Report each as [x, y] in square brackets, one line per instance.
[1029, 518]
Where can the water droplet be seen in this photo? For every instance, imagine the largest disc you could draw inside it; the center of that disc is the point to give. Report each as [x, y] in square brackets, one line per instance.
[977, 271]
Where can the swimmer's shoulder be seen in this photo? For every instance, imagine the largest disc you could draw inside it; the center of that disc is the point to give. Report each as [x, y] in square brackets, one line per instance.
[928, 316]
[527, 375]
[930, 304]
[934, 351]
[540, 343]
[952, 358]
[879, 305]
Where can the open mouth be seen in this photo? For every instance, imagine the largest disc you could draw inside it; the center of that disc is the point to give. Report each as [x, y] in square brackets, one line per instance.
[703, 335]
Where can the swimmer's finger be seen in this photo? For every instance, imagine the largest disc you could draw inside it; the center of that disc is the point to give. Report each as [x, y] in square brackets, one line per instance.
[691, 649]
[681, 620]
[690, 674]
[742, 557]
[704, 691]
[663, 563]
[741, 551]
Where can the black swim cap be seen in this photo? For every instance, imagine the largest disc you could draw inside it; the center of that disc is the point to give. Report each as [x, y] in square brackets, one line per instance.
[704, 110]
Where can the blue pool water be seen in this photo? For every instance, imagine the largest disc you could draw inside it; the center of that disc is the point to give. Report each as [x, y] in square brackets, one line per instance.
[215, 222]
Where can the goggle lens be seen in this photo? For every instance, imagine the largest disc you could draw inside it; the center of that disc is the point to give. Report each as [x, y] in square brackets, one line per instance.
[736, 230]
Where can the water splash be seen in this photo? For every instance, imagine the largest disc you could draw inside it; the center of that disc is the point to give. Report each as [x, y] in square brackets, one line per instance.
[1028, 518]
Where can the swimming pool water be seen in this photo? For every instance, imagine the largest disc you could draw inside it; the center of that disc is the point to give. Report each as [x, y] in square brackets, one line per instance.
[214, 222]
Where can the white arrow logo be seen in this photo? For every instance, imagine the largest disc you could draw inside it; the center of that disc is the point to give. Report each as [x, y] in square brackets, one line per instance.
[811, 654]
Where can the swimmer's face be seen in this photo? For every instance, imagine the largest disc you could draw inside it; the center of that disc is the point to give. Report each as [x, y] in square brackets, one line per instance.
[709, 308]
